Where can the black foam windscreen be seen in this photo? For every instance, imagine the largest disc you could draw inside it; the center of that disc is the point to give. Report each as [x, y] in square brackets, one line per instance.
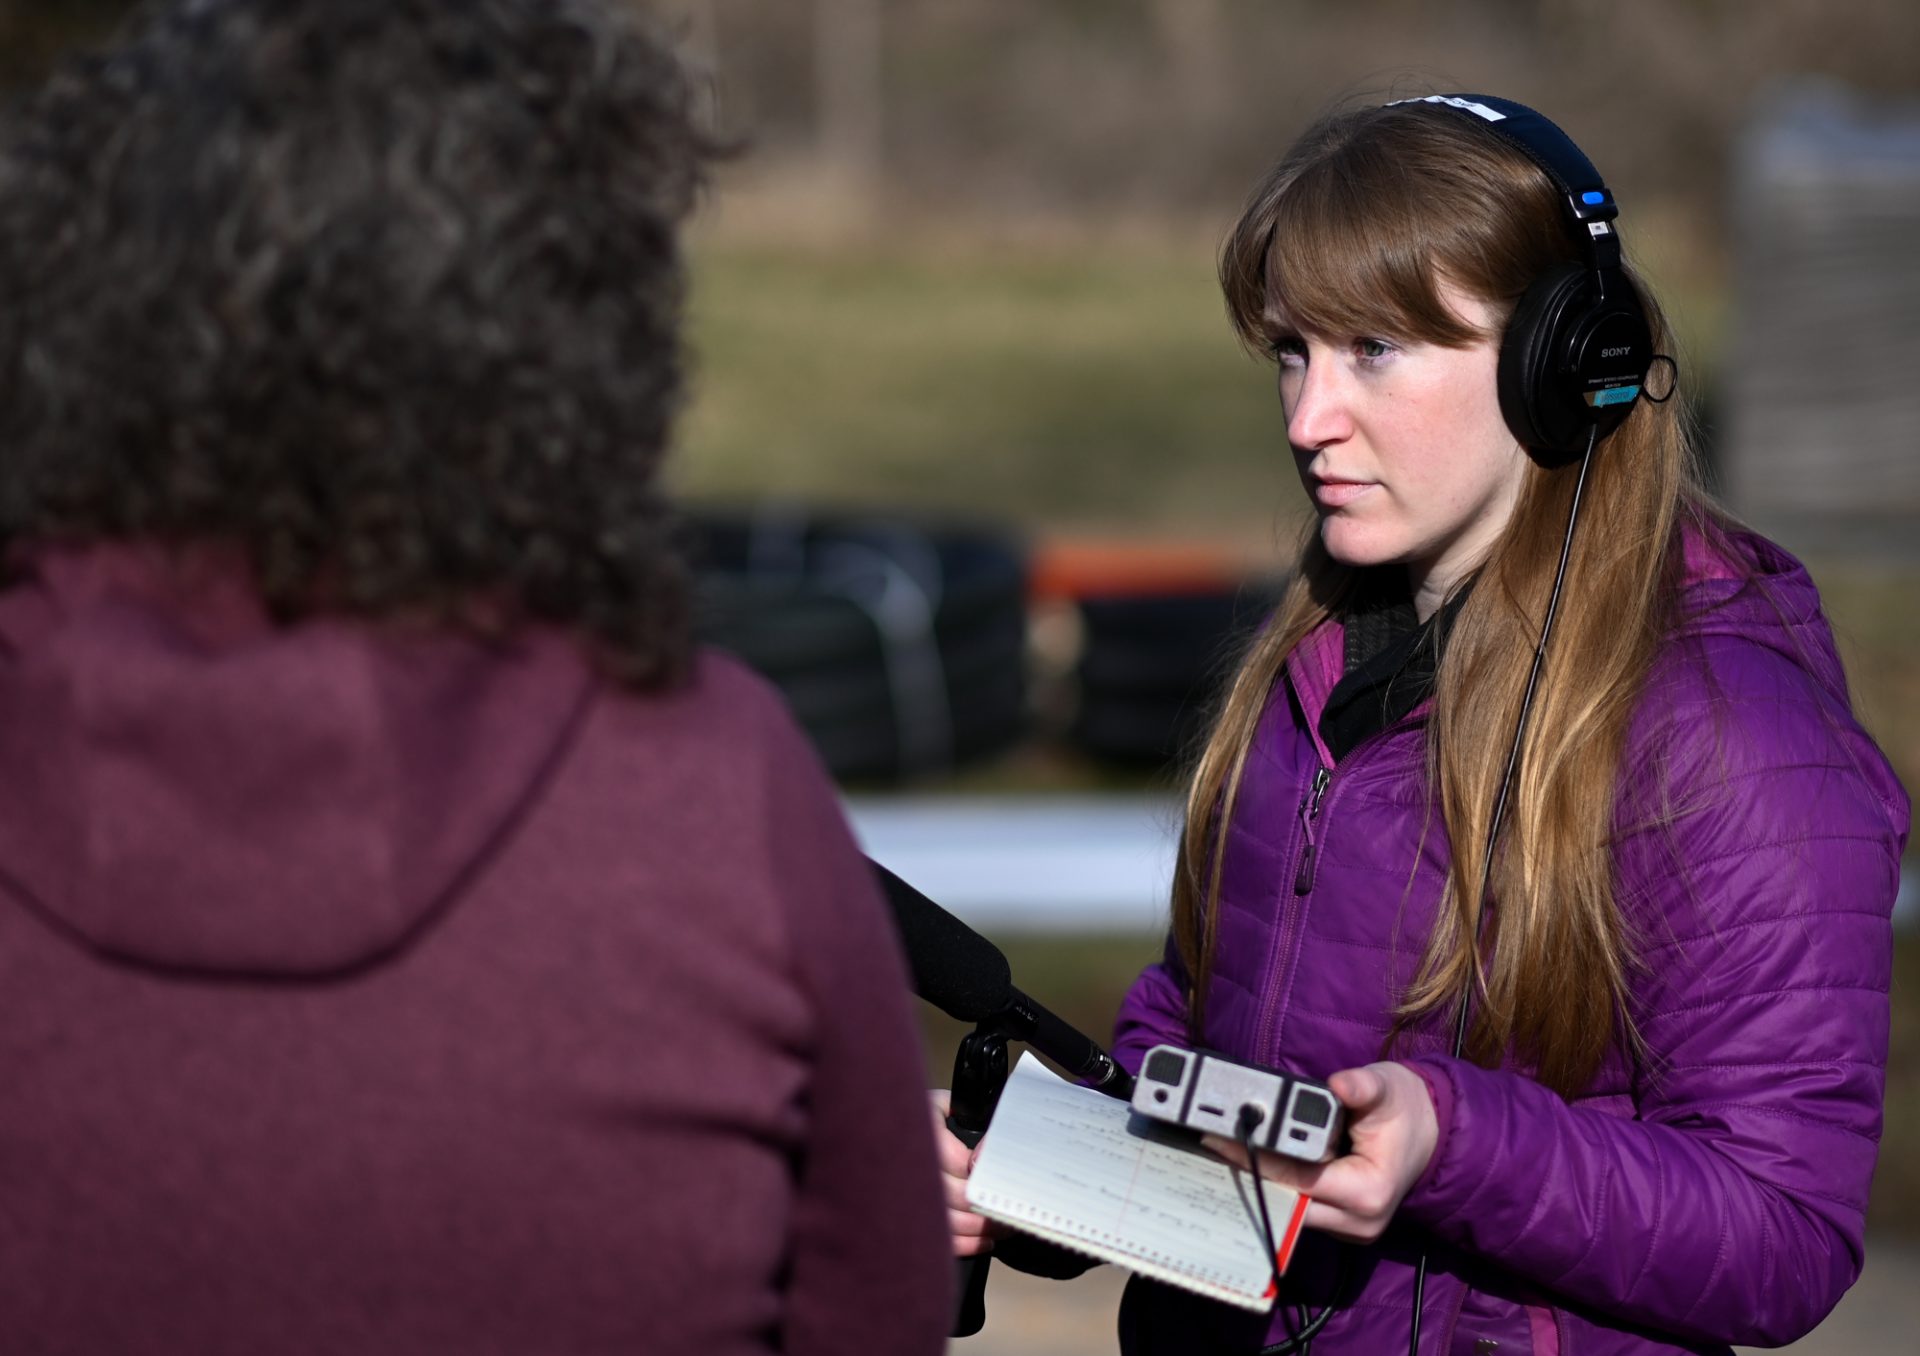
[954, 968]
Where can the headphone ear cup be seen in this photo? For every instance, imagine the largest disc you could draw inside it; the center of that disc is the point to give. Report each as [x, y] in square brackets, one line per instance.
[1532, 401]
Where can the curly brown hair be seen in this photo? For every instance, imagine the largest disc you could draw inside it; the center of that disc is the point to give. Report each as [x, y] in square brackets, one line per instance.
[386, 292]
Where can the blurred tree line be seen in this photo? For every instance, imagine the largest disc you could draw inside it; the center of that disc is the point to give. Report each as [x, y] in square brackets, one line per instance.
[1064, 107]
[1067, 106]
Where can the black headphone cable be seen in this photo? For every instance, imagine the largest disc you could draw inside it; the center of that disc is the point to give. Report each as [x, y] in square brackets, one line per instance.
[1499, 813]
[1301, 1341]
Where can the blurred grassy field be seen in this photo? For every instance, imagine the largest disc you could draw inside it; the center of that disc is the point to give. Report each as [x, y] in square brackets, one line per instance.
[1071, 382]
[1044, 388]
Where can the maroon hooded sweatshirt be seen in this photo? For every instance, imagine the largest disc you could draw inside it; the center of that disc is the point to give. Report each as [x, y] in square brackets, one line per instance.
[371, 990]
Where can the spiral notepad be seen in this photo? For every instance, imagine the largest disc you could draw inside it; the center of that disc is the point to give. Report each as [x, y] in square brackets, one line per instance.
[1080, 1169]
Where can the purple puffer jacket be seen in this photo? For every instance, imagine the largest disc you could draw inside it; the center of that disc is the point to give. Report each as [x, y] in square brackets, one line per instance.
[1710, 1193]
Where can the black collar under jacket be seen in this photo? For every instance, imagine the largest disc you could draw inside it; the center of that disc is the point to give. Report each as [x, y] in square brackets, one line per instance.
[1391, 658]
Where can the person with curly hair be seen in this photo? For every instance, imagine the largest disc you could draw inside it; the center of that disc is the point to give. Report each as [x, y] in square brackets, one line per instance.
[412, 941]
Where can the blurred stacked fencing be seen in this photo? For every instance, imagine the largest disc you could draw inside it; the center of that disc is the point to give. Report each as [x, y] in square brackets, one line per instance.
[1822, 409]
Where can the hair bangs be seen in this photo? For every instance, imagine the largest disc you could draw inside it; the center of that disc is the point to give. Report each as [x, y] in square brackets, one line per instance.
[1349, 254]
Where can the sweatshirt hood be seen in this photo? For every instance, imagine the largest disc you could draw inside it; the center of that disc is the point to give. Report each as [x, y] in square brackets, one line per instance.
[193, 785]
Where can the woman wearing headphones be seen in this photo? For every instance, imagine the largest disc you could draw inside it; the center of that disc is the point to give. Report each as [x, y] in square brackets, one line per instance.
[1595, 951]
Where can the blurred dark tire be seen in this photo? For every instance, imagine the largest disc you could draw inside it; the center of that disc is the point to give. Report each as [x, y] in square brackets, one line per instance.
[899, 644]
[1152, 668]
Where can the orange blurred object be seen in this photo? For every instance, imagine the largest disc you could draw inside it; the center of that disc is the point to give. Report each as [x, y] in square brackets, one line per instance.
[1092, 567]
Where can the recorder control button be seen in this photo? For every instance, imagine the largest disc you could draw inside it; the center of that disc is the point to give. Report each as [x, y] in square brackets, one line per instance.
[1165, 1066]
[1311, 1108]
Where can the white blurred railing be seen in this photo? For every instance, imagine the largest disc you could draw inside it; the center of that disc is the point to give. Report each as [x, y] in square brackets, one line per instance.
[1053, 863]
[1034, 863]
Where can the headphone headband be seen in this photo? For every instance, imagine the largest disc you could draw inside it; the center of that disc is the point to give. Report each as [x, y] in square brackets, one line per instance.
[1588, 201]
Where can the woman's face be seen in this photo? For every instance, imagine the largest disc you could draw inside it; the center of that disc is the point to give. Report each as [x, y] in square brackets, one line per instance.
[1401, 446]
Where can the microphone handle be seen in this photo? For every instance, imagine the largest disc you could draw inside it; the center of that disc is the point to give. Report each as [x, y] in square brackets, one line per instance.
[979, 1073]
[970, 1273]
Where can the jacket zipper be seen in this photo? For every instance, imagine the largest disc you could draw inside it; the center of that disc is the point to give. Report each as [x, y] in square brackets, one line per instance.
[1303, 879]
[1284, 925]
[1309, 812]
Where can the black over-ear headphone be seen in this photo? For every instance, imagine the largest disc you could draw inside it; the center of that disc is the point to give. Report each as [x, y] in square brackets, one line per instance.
[1576, 353]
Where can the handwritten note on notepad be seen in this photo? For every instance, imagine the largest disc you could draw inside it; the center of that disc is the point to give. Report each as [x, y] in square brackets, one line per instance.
[1078, 1168]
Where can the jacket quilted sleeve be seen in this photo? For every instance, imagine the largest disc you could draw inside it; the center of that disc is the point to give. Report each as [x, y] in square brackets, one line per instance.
[1724, 1200]
[1154, 1012]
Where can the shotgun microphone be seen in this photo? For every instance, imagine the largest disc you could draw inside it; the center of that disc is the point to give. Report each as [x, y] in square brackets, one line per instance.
[968, 978]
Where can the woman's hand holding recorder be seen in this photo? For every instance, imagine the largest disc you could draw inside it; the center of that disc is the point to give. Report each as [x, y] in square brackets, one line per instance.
[1393, 1131]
